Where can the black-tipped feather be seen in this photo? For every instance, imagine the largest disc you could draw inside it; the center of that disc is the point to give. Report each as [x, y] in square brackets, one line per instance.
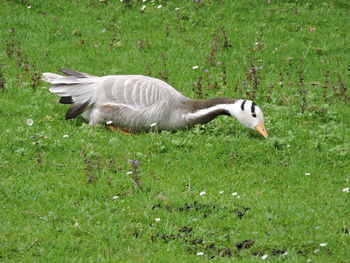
[66, 100]
[76, 110]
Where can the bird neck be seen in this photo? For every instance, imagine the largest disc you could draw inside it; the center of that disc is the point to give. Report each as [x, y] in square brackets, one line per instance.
[204, 111]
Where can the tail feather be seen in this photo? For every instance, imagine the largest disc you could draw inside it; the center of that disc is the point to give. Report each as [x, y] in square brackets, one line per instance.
[73, 90]
[74, 73]
[66, 100]
[76, 109]
[77, 88]
[49, 77]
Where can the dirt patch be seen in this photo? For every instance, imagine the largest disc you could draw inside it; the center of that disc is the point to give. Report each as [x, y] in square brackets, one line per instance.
[212, 244]
[245, 244]
[205, 209]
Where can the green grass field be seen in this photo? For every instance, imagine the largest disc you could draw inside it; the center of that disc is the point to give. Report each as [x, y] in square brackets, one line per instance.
[218, 192]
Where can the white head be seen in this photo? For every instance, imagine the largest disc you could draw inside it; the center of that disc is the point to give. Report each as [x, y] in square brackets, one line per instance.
[249, 115]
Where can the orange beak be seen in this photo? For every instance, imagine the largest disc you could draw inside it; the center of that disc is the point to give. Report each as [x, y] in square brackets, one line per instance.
[261, 129]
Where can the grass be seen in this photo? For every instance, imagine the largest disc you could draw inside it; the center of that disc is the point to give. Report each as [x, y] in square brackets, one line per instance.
[59, 179]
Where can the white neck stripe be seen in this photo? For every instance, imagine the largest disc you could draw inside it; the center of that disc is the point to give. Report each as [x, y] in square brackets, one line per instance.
[203, 112]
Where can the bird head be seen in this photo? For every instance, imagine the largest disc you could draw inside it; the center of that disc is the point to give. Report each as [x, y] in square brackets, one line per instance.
[249, 115]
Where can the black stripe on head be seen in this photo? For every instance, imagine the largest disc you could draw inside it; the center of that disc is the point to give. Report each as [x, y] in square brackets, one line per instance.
[253, 109]
[242, 105]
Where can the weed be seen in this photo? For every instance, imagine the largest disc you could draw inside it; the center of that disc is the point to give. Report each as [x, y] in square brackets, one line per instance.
[114, 42]
[143, 44]
[38, 150]
[2, 79]
[226, 43]
[135, 174]
[35, 79]
[198, 88]
[224, 74]
[164, 75]
[89, 169]
[180, 21]
[270, 92]
[341, 92]
[303, 92]
[10, 44]
[253, 79]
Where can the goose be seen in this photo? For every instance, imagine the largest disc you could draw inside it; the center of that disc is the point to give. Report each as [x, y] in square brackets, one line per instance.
[139, 103]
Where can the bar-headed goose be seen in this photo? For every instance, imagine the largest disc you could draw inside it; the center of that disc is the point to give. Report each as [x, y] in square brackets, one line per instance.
[135, 103]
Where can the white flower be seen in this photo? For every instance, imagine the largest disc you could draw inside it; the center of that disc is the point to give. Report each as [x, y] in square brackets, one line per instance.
[65, 136]
[264, 257]
[143, 1]
[109, 122]
[143, 8]
[160, 6]
[29, 6]
[323, 244]
[129, 173]
[195, 67]
[177, 9]
[115, 197]
[30, 122]
[221, 192]
[157, 219]
[346, 190]
[234, 194]
[238, 197]
[309, 260]
[202, 193]
[200, 253]
[307, 173]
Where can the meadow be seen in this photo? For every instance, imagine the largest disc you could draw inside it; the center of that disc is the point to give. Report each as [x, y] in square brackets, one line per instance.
[215, 193]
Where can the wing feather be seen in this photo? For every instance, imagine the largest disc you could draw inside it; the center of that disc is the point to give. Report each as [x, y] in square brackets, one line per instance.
[136, 90]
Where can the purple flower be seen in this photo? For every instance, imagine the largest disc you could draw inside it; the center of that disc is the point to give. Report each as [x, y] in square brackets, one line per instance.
[206, 70]
[134, 162]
